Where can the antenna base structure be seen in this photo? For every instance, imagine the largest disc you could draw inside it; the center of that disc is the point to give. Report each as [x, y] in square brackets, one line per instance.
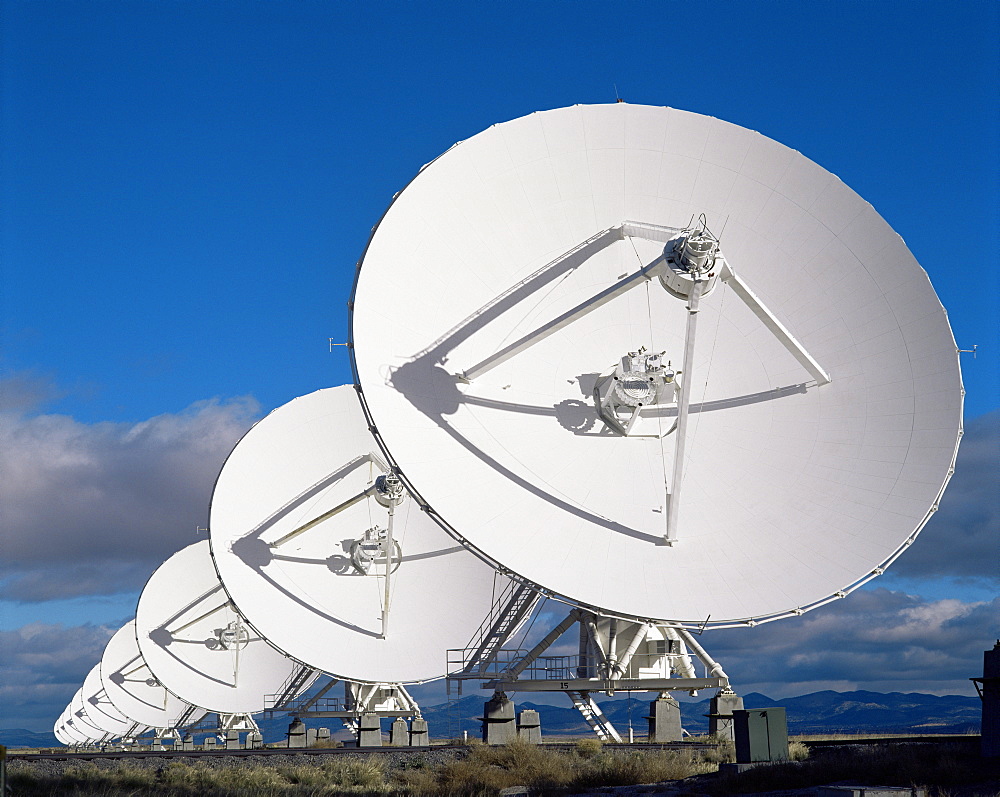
[360, 709]
[614, 655]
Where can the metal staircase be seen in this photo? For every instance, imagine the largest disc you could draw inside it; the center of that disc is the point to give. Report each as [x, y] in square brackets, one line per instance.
[479, 659]
[186, 718]
[509, 610]
[296, 684]
[595, 718]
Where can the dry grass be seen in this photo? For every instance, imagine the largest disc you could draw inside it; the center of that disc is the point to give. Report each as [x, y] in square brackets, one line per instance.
[487, 770]
[482, 771]
[797, 751]
[589, 747]
[952, 769]
[327, 744]
[352, 776]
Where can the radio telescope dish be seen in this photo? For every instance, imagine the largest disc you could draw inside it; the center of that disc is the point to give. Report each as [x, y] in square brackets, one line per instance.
[101, 711]
[300, 530]
[82, 723]
[198, 646]
[72, 735]
[65, 729]
[74, 729]
[134, 690]
[76, 737]
[657, 363]
[57, 731]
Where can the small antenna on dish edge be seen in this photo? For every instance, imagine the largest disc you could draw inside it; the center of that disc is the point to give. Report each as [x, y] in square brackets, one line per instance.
[617, 95]
[332, 344]
[971, 351]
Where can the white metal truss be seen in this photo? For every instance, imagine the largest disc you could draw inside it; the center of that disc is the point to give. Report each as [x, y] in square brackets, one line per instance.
[379, 699]
[614, 655]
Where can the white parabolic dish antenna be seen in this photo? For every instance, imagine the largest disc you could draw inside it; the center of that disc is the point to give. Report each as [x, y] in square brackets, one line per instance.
[196, 644]
[74, 735]
[552, 309]
[71, 735]
[299, 532]
[81, 722]
[60, 735]
[62, 730]
[132, 687]
[101, 711]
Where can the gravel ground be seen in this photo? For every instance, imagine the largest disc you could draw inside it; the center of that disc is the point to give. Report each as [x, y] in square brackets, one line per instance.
[397, 759]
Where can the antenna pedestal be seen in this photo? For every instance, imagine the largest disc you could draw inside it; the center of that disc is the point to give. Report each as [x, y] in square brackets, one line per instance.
[615, 655]
[361, 709]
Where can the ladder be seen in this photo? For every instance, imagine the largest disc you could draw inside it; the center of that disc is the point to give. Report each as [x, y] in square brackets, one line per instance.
[509, 611]
[294, 686]
[186, 718]
[595, 718]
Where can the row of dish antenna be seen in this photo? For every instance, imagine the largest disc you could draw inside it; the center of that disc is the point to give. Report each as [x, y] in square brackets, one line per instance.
[317, 580]
[660, 371]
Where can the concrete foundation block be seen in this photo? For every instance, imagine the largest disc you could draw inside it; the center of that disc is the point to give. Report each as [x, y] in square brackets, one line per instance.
[664, 720]
[399, 734]
[297, 733]
[720, 717]
[419, 736]
[529, 727]
[370, 731]
[499, 723]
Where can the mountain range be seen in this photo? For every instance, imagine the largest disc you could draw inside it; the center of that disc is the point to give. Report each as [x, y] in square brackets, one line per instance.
[818, 712]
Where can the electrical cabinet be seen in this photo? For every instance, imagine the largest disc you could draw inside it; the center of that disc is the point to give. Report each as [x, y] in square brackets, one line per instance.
[761, 735]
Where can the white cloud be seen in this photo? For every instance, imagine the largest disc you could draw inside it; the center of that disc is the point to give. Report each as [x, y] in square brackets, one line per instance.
[874, 639]
[44, 665]
[962, 540]
[91, 509]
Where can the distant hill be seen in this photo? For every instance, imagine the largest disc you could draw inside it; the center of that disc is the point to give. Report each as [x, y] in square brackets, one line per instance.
[819, 712]
[18, 737]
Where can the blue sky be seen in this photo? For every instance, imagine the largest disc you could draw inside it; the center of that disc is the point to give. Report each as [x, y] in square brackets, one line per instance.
[187, 186]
